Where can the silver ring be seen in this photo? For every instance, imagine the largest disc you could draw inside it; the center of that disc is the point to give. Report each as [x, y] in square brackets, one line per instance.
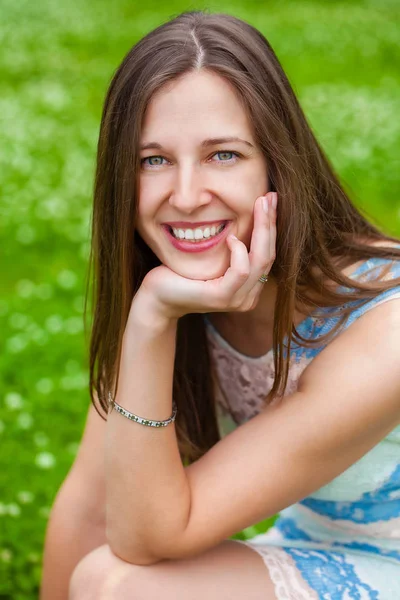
[263, 278]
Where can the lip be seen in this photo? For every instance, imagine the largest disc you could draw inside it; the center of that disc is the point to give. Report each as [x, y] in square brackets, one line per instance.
[185, 246]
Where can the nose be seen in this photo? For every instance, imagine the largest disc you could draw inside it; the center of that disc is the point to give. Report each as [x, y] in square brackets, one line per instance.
[188, 193]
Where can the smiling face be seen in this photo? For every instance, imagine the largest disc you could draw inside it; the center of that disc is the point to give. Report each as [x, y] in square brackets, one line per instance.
[193, 181]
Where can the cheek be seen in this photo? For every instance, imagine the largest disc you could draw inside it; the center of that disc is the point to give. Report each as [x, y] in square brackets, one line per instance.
[139, 221]
[143, 230]
[145, 211]
[150, 199]
[147, 237]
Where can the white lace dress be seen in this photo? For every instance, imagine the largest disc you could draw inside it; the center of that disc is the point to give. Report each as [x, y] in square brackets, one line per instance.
[343, 541]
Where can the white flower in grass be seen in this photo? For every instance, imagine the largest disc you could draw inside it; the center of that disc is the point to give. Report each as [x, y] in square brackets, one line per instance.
[74, 325]
[54, 95]
[45, 385]
[25, 497]
[77, 381]
[54, 323]
[40, 336]
[40, 439]
[13, 510]
[18, 320]
[6, 555]
[25, 288]
[45, 460]
[17, 343]
[54, 207]
[24, 421]
[25, 234]
[67, 279]
[13, 401]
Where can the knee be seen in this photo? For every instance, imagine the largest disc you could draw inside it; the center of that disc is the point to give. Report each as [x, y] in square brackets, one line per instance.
[88, 576]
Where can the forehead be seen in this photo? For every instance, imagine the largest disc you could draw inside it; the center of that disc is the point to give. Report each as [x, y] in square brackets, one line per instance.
[197, 103]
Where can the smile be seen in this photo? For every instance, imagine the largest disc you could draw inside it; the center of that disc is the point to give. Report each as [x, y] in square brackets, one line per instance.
[200, 233]
[196, 240]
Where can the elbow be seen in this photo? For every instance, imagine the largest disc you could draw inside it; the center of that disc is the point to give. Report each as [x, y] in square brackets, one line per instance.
[169, 543]
[179, 547]
[139, 554]
[137, 558]
[134, 554]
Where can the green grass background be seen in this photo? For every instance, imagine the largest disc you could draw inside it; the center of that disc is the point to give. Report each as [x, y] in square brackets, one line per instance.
[56, 61]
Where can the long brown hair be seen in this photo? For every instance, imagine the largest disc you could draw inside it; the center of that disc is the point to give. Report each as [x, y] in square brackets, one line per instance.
[318, 229]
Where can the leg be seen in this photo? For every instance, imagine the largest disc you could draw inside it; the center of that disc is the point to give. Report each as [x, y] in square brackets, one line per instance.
[230, 571]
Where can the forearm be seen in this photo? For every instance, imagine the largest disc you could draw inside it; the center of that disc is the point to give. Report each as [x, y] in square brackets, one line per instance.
[71, 534]
[148, 496]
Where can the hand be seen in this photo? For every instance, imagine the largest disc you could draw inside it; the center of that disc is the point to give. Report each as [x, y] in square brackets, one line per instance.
[238, 290]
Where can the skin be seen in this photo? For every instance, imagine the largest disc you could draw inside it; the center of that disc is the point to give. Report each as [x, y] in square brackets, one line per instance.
[225, 281]
[185, 182]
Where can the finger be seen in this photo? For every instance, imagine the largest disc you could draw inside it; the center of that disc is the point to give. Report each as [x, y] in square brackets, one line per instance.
[262, 246]
[239, 269]
[272, 230]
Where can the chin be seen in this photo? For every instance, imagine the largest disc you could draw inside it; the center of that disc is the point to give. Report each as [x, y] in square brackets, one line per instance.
[200, 273]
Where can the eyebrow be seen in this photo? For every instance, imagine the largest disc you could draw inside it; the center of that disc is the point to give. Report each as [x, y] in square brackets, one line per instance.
[204, 143]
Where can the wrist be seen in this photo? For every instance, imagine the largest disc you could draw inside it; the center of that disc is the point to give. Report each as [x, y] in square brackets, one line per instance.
[146, 312]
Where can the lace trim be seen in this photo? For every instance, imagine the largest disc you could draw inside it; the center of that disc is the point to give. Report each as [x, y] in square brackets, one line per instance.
[287, 580]
[387, 530]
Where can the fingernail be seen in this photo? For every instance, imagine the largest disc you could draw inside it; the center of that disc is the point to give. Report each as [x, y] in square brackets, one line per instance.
[274, 199]
[265, 204]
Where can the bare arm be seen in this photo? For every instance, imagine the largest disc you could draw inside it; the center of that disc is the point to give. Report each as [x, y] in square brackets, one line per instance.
[147, 492]
[72, 532]
[77, 520]
[304, 442]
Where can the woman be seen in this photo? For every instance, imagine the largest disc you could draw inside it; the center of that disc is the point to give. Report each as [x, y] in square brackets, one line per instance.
[236, 280]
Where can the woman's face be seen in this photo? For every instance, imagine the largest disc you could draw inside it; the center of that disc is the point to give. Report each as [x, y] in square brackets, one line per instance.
[194, 181]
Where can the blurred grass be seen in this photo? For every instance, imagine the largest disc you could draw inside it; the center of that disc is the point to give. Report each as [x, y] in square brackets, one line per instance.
[56, 62]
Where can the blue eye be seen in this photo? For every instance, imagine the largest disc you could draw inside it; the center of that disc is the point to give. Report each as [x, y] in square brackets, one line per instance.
[149, 158]
[226, 152]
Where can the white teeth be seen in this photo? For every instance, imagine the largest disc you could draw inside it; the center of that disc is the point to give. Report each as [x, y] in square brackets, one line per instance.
[198, 234]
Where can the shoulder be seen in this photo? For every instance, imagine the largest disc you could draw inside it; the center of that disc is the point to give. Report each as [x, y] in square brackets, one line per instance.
[367, 350]
[344, 336]
[372, 269]
[356, 378]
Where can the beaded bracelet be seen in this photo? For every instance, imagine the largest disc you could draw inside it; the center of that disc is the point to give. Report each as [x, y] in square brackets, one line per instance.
[132, 417]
